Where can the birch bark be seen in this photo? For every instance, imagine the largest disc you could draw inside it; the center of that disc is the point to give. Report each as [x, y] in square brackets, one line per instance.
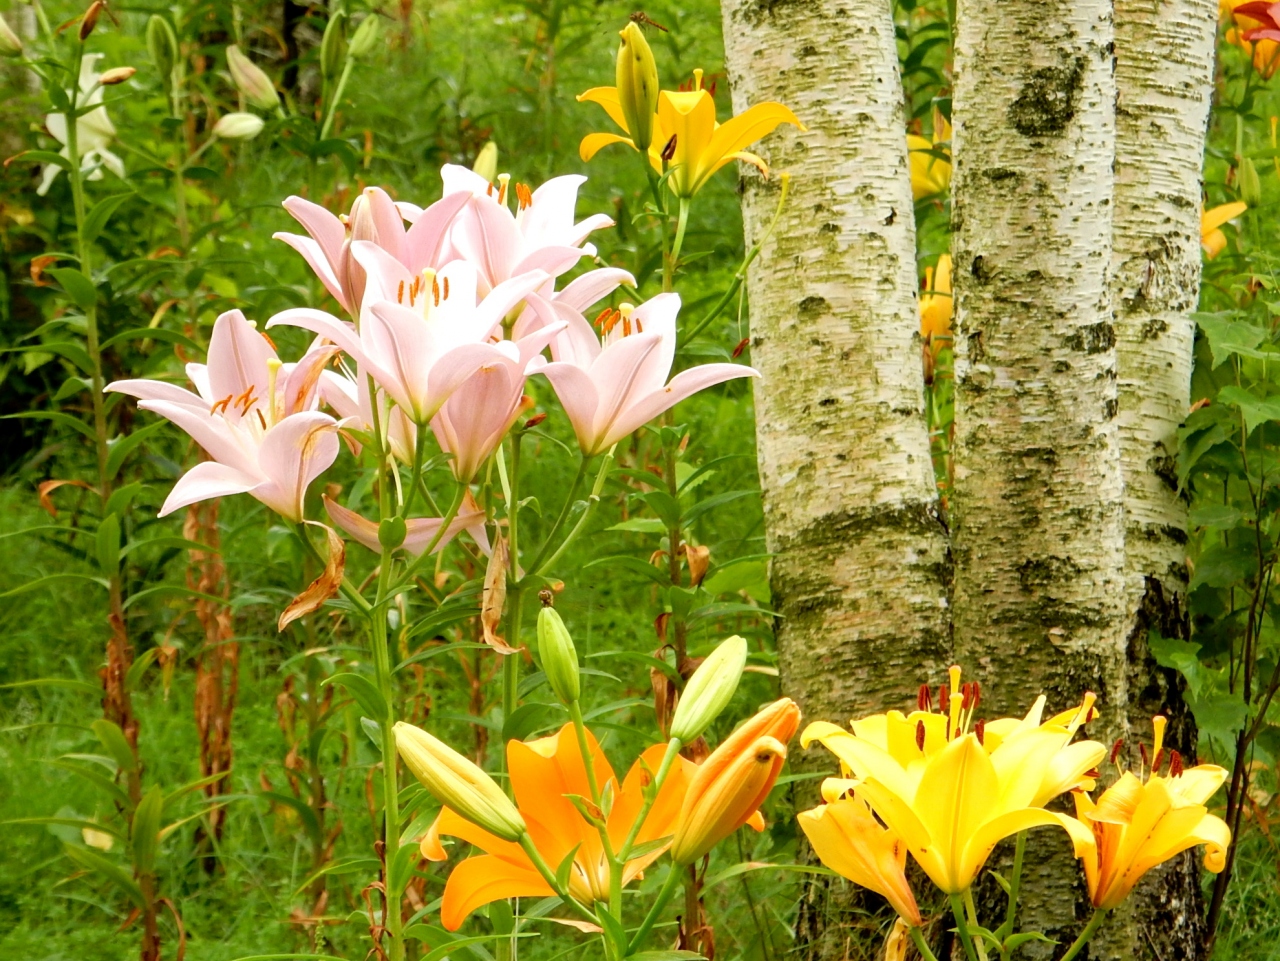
[1038, 523]
[1164, 75]
[860, 572]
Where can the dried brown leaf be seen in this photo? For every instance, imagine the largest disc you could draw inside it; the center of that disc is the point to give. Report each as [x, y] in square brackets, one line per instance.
[494, 597]
[323, 587]
[45, 488]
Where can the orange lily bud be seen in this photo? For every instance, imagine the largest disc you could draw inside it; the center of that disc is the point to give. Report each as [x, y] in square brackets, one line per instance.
[733, 782]
[90, 19]
[458, 783]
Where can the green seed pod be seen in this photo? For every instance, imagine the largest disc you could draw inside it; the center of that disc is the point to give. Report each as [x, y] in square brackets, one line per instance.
[1250, 183]
[392, 532]
[366, 37]
[709, 690]
[333, 46]
[637, 80]
[558, 655]
[486, 164]
[162, 43]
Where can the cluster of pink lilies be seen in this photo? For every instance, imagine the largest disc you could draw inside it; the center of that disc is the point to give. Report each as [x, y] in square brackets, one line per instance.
[451, 309]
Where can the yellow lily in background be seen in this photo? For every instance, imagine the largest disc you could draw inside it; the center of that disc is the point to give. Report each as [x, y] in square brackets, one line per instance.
[701, 145]
[543, 773]
[1212, 239]
[850, 841]
[1138, 825]
[934, 783]
[935, 302]
[930, 174]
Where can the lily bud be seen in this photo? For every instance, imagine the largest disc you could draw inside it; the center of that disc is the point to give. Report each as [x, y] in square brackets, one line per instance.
[90, 19]
[558, 655]
[238, 126]
[162, 43]
[251, 80]
[331, 45]
[10, 42]
[709, 690]
[733, 782]
[486, 164]
[637, 81]
[1250, 183]
[116, 75]
[457, 783]
[366, 36]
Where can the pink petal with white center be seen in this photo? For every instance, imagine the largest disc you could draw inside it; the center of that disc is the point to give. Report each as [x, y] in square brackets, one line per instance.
[452, 369]
[204, 481]
[217, 437]
[593, 286]
[581, 231]
[157, 390]
[617, 374]
[298, 384]
[486, 235]
[238, 364]
[410, 212]
[326, 325]
[579, 398]
[684, 384]
[316, 260]
[575, 344]
[473, 421]
[341, 395]
[386, 278]
[198, 374]
[420, 530]
[387, 221]
[504, 297]
[425, 242]
[325, 229]
[294, 453]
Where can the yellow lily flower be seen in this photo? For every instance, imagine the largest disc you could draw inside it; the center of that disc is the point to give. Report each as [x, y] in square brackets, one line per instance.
[930, 174]
[1138, 825]
[701, 145]
[936, 785]
[1212, 239]
[935, 301]
[543, 773]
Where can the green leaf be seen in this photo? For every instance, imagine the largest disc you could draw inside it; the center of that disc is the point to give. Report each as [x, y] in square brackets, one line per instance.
[105, 784]
[97, 218]
[121, 447]
[648, 847]
[711, 503]
[45, 156]
[565, 868]
[146, 828]
[363, 690]
[1256, 410]
[649, 661]
[69, 822]
[1220, 717]
[133, 677]
[91, 860]
[78, 287]
[633, 564]
[1015, 941]
[152, 333]
[68, 350]
[614, 931]
[70, 387]
[346, 866]
[665, 506]
[290, 957]
[107, 545]
[1222, 565]
[1227, 337]
[640, 525]
[115, 743]
[739, 869]
[438, 650]
[83, 687]
[669, 954]
[122, 497]
[40, 582]
[310, 823]
[1220, 517]
[529, 718]
[58, 417]
[1181, 656]
[400, 870]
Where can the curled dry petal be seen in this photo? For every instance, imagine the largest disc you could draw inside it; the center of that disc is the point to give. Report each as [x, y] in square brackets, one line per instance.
[323, 587]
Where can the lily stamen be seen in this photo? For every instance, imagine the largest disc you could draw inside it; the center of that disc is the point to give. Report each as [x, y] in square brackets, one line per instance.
[524, 196]
[223, 404]
[400, 293]
[503, 180]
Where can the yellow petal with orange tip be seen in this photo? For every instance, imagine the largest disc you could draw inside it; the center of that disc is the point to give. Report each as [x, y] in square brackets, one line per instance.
[450, 823]
[849, 840]
[606, 97]
[716, 808]
[482, 880]
[746, 156]
[593, 143]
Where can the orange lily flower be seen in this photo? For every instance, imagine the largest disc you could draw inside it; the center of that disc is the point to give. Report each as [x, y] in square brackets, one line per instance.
[731, 784]
[930, 174]
[935, 302]
[542, 773]
[1139, 825]
[848, 839]
[1259, 43]
[1212, 239]
[702, 146]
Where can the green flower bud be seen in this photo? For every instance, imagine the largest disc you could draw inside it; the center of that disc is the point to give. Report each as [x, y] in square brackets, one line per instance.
[238, 126]
[10, 42]
[1250, 183]
[709, 690]
[366, 37]
[556, 651]
[251, 80]
[392, 532]
[162, 43]
[486, 164]
[637, 81]
[332, 46]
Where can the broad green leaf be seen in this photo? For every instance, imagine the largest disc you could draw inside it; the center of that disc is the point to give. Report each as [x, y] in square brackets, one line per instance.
[152, 333]
[146, 828]
[665, 506]
[635, 565]
[1181, 656]
[107, 544]
[91, 860]
[1222, 517]
[346, 866]
[363, 690]
[310, 823]
[133, 677]
[640, 525]
[1256, 410]
[1222, 565]
[1220, 717]
[530, 718]
[105, 784]
[58, 417]
[1227, 337]
[78, 287]
[115, 743]
[97, 218]
[120, 447]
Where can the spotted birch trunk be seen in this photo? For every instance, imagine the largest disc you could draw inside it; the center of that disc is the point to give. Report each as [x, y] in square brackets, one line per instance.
[1164, 71]
[860, 566]
[1038, 526]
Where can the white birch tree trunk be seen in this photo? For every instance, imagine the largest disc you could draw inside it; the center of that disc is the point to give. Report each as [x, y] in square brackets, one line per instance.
[860, 568]
[1038, 522]
[1164, 75]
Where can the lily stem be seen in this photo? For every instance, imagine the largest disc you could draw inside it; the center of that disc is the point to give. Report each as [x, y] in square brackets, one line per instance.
[660, 902]
[541, 866]
[973, 920]
[1090, 929]
[544, 554]
[391, 787]
[917, 937]
[1015, 883]
[581, 523]
[962, 927]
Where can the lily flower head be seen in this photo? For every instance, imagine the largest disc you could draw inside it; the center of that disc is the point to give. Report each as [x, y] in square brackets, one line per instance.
[1261, 45]
[254, 416]
[476, 417]
[930, 778]
[1139, 824]
[936, 303]
[847, 838]
[930, 173]
[610, 387]
[541, 235]
[374, 218]
[686, 131]
[545, 775]
[1212, 239]
[94, 130]
[732, 783]
[422, 336]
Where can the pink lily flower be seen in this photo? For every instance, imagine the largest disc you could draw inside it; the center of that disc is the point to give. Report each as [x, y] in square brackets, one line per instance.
[610, 389]
[540, 235]
[348, 396]
[254, 416]
[374, 218]
[421, 530]
[473, 422]
[428, 336]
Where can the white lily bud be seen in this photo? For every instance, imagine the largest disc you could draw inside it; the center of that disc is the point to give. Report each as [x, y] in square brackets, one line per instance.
[486, 164]
[238, 126]
[251, 80]
[10, 42]
[366, 37]
[116, 75]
